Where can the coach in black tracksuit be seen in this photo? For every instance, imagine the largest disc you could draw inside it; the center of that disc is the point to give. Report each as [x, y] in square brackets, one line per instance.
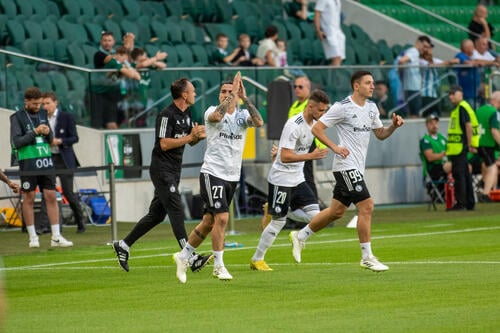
[174, 129]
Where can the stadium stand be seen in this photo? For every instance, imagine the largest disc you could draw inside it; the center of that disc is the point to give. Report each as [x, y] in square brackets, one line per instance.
[69, 31]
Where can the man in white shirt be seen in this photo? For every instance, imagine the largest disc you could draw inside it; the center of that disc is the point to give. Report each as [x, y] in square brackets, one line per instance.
[327, 25]
[226, 126]
[354, 118]
[287, 185]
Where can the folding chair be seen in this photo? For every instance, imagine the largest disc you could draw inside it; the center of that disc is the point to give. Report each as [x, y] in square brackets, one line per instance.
[435, 188]
[92, 200]
[12, 216]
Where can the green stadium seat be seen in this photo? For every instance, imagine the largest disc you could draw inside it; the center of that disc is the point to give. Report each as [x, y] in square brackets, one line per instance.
[53, 9]
[144, 29]
[49, 29]
[76, 55]
[41, 81]
[89, 51]
[60, 50]
[200, 55]
[251, 26]
[46, 49]
[25, 7]
[24, 79]
[131, 26]
[215, 28]
[306, 55]
[293, 30]
[132, 8]
[174, 33]
[9, 8]
[72, 31]
[16, 32]
[174, 8]
[224, 11]
[33, 30]
[72, 7]
[172, 58]
[59, 82]
[114, 27]
[186, 58]
[30, 47]
[159, 31]
[94, 31]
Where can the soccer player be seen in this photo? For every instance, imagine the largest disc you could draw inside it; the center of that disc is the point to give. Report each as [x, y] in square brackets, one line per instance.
[287, 184]
[226, 126]
[354, 118]
[174, 129]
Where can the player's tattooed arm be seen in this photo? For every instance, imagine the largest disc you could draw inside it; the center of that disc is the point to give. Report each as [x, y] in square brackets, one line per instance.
[222, 109]
[255, 119]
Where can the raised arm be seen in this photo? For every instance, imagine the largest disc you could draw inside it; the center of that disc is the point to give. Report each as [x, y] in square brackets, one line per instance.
[383, 133]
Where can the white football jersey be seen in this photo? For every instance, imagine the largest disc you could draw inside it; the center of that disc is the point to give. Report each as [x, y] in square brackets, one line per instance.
[354, 124]
[297, 136]
[225, 142]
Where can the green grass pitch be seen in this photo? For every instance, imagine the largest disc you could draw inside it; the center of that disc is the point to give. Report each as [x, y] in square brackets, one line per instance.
[444, 277]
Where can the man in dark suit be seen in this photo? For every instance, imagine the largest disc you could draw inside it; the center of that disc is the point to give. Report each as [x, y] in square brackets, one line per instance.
[63, 155]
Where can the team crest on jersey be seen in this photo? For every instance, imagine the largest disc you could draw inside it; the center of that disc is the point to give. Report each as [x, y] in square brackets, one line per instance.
[172, 189]
[26, 185]
[371, 114]
[217, 204]
[358, 188]
[240, 122]
[277, 209]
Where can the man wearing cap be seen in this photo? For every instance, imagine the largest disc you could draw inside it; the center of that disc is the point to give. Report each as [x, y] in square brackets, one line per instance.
[412, 80]
[487, 116]
[462, 138]
[433, 149]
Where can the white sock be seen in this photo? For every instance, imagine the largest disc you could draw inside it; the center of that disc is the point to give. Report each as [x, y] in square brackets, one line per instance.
[218, 258]
[31, 231]
[267, 238]
[366, 250]
[305, 233]
[124, 245]
[187, 251]
[55, 231]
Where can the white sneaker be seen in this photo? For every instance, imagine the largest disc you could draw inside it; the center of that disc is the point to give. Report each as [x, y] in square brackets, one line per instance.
[373, 264]
[60, 242]
[182, 266]
[34, 243]
[297, 245]
[221, 273]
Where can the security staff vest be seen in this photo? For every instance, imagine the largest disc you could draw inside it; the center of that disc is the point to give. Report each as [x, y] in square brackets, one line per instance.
[455, 145]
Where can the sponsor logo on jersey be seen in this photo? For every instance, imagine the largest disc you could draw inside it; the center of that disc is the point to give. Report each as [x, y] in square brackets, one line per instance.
[362, 129]
[230, 136]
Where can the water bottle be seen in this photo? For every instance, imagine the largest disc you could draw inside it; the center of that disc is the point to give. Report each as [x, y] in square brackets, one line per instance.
[449, 192]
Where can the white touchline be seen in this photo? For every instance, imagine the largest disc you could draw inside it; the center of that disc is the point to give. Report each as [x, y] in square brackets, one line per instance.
[52, 265]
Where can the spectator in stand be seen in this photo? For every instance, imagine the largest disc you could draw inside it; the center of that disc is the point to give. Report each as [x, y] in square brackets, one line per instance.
[140, 60]
[430, 81]
[107, 94]
[298, 9]
[481, 51]
[479, 26]
[383, 99]
[487, 116]
[281, 58]
[221, 55]
[244, 57]
[267, 50]
[327, 24]
[412, 80]
[107, 47]
[470, 78]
